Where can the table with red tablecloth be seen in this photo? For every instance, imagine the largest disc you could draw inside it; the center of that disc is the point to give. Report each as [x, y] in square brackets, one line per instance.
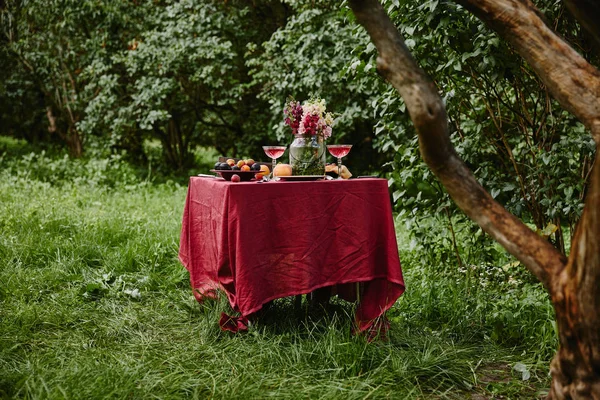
[262, 241]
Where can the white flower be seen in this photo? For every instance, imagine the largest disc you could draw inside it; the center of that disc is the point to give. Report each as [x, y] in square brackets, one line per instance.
[316, 108]
[322, 105]
[329, 119]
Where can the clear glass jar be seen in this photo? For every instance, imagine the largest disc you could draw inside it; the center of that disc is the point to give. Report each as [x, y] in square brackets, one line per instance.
[307, 155]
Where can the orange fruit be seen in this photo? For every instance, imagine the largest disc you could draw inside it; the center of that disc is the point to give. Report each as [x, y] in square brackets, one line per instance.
[282, 170]
[265, 170]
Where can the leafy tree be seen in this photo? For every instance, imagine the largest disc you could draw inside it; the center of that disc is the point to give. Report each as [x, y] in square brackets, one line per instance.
[575, 84]
[113, 73]
[183, 80]
[51, 43]
[503, 121]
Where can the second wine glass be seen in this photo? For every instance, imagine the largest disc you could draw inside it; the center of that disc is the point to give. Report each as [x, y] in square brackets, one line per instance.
[339, 151]
[274, 152]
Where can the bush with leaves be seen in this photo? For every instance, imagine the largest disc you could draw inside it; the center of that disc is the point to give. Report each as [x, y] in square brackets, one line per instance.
[502, 120]
[112, 74]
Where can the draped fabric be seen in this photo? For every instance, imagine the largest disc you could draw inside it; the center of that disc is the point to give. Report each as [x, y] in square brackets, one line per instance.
[262, 241]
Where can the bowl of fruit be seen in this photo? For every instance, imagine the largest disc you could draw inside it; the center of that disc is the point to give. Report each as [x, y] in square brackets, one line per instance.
[245, 170]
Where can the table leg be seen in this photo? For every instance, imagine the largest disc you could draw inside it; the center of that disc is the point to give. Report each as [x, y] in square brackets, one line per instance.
[297, 303]
[358, 292]
[320, 297]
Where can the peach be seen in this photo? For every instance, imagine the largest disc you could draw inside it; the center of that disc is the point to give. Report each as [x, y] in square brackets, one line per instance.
[264, 169]
[230, 162]
[241, 163]
[235, 178]
[282, 170]
[244, 168]
[249, 162]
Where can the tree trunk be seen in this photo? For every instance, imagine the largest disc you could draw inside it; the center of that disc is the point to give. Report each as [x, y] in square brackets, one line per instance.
[176, 153]
[576, 367]
[74, 143]
[573, 284]
[72, 137]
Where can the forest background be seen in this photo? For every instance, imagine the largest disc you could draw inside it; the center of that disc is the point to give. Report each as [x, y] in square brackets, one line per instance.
[106, 105]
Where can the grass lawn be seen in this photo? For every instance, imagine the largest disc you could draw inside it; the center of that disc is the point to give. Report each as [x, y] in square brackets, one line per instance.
[94, 304]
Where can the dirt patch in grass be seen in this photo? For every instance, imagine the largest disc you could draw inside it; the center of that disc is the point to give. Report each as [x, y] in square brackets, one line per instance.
[501, 381]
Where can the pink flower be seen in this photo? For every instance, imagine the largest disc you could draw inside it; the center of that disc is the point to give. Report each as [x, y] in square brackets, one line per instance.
[293, 113]
[309, 125]
[308, 119]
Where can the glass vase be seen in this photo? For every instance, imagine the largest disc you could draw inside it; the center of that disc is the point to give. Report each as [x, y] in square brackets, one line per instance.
[307, 155]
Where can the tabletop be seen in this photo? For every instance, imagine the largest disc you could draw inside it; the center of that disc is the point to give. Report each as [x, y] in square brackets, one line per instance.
[262, 241]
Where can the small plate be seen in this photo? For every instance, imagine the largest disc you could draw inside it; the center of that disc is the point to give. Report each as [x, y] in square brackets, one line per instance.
[301, 177]
[227, 174]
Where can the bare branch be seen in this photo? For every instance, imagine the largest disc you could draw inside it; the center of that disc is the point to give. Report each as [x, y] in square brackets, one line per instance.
[428, 114]
[568, 76]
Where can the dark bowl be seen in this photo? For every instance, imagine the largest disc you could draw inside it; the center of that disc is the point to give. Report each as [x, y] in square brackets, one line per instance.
[245, 176]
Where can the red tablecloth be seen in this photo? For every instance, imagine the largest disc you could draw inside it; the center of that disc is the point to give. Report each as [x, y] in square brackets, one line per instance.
[263, 241]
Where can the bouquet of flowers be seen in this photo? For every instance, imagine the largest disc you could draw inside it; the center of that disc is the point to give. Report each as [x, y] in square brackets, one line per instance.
[311, 126]
[308, 119]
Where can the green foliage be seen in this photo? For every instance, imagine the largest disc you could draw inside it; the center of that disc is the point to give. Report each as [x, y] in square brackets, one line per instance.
[109, 75]
[482, 300]
[50, 45]
[532, 156]
[185, 80]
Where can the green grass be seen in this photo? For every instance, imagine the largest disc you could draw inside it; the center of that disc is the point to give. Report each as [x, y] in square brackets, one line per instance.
[73, 253]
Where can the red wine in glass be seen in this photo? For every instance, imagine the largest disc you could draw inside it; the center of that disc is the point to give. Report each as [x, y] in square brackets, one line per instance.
[339, 151]
[274, 152]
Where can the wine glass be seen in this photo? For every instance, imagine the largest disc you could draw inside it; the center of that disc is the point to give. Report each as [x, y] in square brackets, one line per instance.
[339, 151]
[274, 152]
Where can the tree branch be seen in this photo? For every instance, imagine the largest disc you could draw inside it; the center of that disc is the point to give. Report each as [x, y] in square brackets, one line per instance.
[568, 76]
[428, 114]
